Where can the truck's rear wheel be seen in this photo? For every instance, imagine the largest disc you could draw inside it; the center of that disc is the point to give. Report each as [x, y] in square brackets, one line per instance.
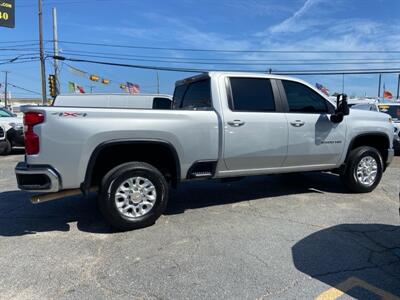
[133, 195]
[363, 170]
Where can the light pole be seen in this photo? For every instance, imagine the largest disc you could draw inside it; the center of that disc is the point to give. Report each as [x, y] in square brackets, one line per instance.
[42, 61]
[6, 88]
[55, 47]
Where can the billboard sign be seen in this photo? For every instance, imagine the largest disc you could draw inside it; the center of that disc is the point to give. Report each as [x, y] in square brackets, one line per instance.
[7, 13]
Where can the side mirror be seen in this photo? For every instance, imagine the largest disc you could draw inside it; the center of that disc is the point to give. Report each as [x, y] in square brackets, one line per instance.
[342, 109]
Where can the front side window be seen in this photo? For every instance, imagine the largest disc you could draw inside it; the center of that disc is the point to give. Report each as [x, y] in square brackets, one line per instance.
[302, 99]
[252, 95]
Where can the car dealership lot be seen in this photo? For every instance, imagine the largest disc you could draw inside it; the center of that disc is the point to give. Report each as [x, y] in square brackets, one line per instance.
[284, 236]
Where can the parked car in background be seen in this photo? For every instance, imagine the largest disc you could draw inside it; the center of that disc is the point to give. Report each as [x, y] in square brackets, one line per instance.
[3, 143]
[144, 101]
[392, 109]
[13, 131]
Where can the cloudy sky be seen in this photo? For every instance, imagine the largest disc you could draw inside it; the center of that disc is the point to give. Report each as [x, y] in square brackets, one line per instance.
[261, 25]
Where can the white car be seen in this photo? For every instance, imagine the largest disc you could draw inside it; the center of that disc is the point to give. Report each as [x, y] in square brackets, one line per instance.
[11, 132]
[392, 109]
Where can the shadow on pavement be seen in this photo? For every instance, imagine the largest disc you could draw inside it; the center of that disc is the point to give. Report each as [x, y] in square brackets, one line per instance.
[199, 194]
[19, 217]
[360, 260]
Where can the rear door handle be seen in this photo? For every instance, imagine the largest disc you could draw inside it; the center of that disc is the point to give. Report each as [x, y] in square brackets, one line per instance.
[236, 123]
[297, 123]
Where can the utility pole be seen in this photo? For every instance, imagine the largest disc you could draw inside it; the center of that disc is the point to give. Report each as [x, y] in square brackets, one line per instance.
[343, 83]
[5, 88]
[158, 83]
[379, 87]
[42, 62]
[55, 47]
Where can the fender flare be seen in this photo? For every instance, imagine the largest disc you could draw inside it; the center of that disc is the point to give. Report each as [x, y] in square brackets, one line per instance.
[374, 133]
[85, 185]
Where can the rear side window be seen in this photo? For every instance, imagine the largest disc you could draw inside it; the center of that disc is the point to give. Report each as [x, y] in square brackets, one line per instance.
[178, 96]
[252, 95]
[197, 96]
[303, 99]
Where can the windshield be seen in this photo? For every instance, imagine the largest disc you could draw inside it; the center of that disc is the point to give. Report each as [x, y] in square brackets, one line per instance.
[5, 113]
[392, 110]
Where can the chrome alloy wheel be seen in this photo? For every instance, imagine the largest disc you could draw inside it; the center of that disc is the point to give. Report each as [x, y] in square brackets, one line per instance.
[135, 197]
[366, 171]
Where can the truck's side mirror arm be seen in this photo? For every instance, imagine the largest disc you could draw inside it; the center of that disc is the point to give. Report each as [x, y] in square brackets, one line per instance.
[342, 109]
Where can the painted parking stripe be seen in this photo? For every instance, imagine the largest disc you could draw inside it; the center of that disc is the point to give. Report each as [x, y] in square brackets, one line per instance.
[350, 283]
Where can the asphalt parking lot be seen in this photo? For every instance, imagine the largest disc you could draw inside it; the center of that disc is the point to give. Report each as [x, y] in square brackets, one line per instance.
[298, 236]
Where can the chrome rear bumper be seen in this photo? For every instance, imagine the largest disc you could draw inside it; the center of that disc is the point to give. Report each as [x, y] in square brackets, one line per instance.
[37, 178]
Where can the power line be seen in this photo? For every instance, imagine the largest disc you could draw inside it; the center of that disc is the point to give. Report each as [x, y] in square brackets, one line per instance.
[124, 55]
[228, 50]
[24, 89]
[236, 63]
[190, 70]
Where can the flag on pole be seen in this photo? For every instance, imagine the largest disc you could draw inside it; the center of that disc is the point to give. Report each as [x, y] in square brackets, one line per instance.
[71, 87]
[74, 88]
[322, 88]
[132, 88]
[387, 95]
[79, 89]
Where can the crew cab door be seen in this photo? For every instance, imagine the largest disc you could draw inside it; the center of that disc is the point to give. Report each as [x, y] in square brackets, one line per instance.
[255, 132]
[313, 139]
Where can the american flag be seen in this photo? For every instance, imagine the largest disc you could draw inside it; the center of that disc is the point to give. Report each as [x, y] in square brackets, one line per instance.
[132, 88]
[322, 88]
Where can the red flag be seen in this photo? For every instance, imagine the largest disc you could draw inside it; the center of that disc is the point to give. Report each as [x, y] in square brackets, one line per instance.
[80, 89]
[387, 95]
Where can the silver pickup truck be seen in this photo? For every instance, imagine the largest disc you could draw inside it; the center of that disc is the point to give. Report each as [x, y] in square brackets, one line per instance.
[222, 124]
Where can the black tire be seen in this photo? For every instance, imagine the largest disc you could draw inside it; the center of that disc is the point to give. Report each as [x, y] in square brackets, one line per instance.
[349, 176]
[5, 147]
[114, 178]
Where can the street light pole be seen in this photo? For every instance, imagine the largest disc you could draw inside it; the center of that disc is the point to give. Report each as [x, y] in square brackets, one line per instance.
[42, 61]
[5, 88]
[379, 87]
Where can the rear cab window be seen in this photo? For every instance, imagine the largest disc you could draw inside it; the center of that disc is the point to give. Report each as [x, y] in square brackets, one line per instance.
[195, 95]
[251, 95]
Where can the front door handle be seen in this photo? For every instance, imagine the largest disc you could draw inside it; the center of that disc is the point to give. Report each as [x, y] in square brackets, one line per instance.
[297, 123]
[236, 123]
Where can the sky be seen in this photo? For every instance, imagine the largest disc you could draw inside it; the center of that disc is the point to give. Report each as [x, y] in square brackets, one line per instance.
[249, 25]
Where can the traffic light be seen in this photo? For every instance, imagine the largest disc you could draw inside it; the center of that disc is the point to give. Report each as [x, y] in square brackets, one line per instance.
[94, 78]
[53, 86]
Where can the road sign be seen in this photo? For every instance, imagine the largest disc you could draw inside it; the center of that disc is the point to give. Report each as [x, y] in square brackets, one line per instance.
[7, 13]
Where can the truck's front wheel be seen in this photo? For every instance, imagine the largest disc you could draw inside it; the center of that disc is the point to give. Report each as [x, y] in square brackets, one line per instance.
[364, 170]
[133, 195]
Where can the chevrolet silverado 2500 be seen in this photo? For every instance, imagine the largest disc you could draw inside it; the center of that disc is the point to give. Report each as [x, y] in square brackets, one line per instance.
[222, 124]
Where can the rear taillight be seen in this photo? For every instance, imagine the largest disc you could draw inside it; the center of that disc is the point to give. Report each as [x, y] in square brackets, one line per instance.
[31, 138]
